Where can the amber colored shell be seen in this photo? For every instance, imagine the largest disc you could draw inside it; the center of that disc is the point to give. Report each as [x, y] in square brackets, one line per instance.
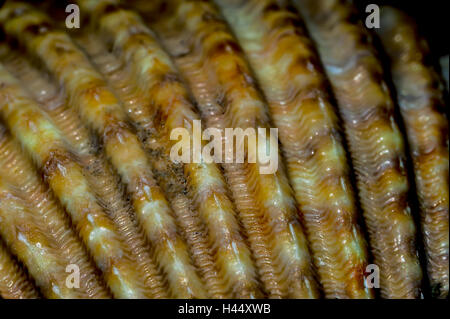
[87, 118]
[375, 141]
[104, 182]
[150, 89]
[97, 105]
[44, 143]
[18, 171]
[421, 101]
[14, 283]
[287, 67]
[212, 63]
[25, 236]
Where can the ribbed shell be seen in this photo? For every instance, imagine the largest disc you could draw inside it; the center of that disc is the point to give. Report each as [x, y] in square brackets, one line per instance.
[168, 175]
[98, 107]
[151, 89]
[14, 282]
[421, 101]
[219, 77]
[86, 175]
[44, 143]
[103, 181]
[18, 171]
[287, 68]
[25, 235]
[375, 142]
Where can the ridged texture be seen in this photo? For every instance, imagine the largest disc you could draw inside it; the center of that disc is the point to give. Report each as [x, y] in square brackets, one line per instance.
[98, 107]
[167, 175]
[26, 237]
[18, 171]
[421, 100]
[104, 182]
[212, 62]
[287, 68]
[14, 282]
[45, 144]
[87, 175]
[152, 92]
[375, 142]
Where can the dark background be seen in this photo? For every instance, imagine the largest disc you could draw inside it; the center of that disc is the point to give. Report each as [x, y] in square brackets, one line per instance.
[432, 17]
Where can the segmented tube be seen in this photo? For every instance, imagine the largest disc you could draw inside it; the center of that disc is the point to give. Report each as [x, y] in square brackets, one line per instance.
[155, 88]
[44, 143]
[106, 185]
[375, 142]
[288, 70]
[218, 75]
[14, 283]
[422, 105]
[98, 107]
[26, 237]
[18, 171]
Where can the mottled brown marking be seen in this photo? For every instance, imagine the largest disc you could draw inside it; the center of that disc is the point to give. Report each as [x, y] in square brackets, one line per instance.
[114, 128]
[55, 159]
[225, 46]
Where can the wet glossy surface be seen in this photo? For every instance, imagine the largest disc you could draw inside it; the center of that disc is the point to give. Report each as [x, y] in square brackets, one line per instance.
[86, 176]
